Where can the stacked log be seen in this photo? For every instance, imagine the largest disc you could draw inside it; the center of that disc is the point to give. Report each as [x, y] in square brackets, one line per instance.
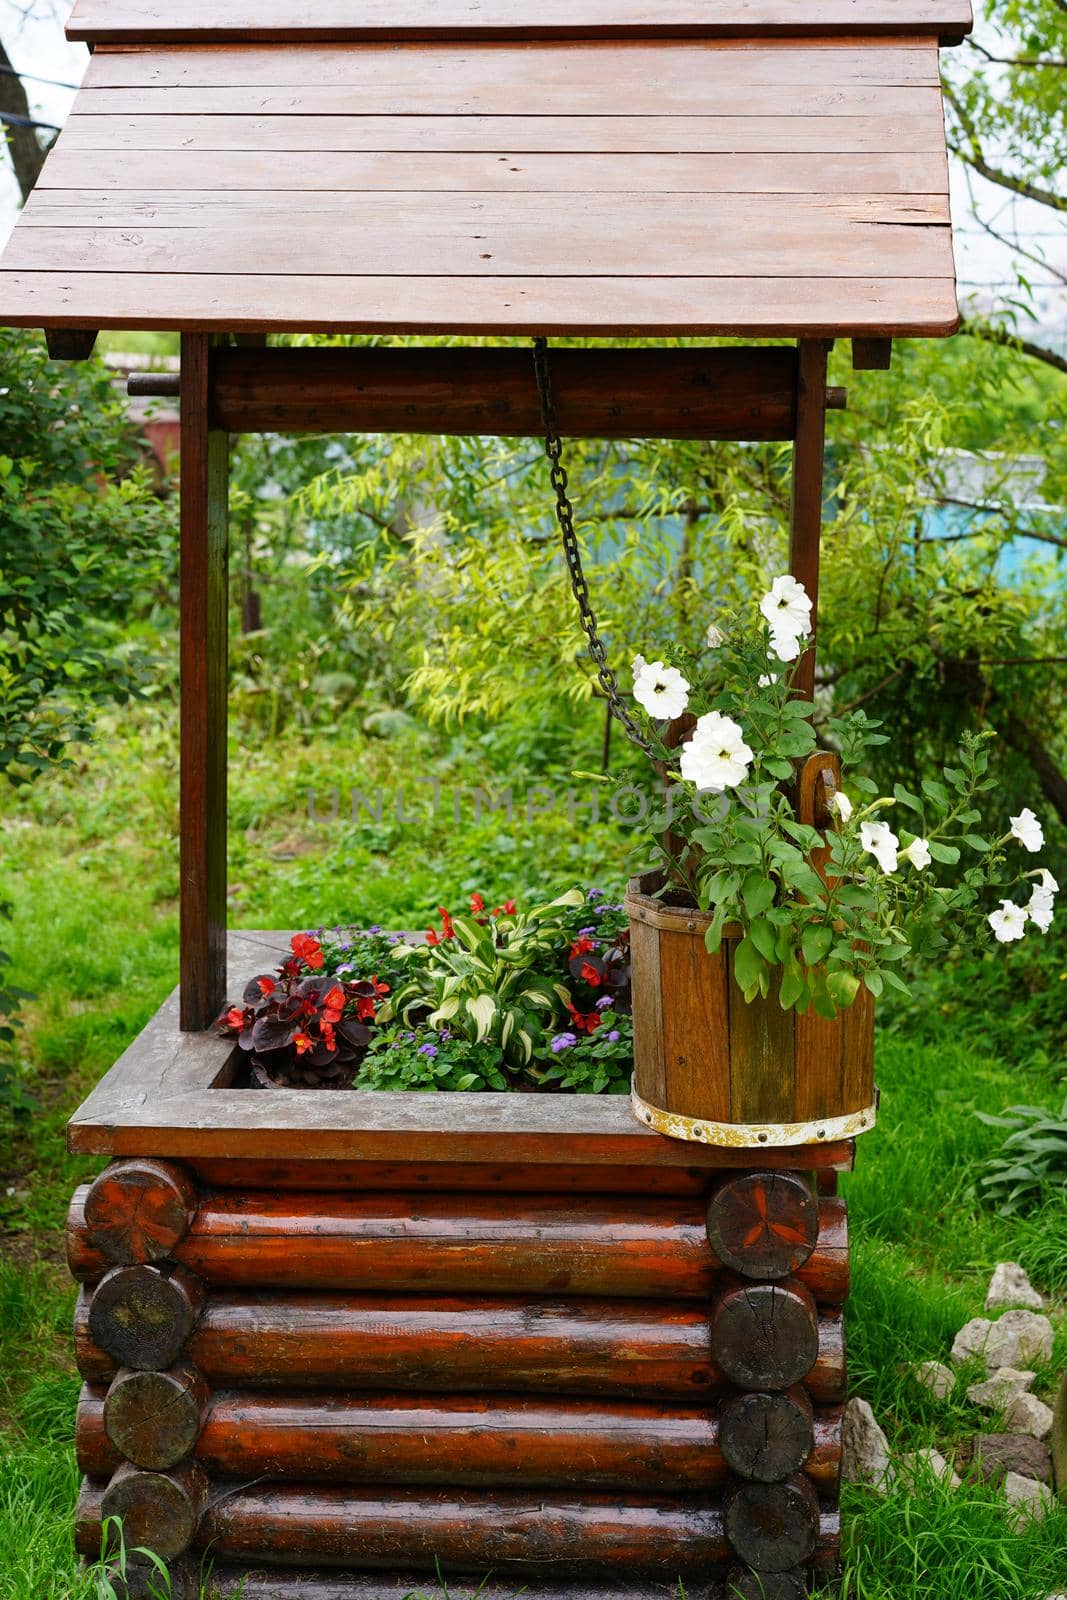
[641, 1389]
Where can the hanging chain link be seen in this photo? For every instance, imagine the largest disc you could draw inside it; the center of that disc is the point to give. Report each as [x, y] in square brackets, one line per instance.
[609, 683]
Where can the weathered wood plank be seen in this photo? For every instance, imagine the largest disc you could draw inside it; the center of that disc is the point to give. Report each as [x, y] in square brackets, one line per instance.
[922, 130]
[125, 21]
[170, 172]
[805, 512]
[498, 236]
[504, 80]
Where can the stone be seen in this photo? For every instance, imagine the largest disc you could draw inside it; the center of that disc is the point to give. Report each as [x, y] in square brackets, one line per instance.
[1003, 1385]
[935, 1376]
[930, 1460]
[997, 1454]
[1031, 1500]
[971, 1340]
[1025, 1413]
[864, 1449]
[1017, 1339]
[1009, 1286]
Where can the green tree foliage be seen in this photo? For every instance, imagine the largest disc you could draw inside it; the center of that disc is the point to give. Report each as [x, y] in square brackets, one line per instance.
[85, 550]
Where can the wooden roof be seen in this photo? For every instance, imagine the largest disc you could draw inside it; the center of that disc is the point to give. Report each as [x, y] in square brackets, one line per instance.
[740, 178]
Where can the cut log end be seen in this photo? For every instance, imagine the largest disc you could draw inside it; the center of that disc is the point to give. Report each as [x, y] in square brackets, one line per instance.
[139, 1211]
[158, 1511]
[763, 1224]
[142, 1316]
[774, 1527]
[767, 1437]
[765, 1335]
[153, 1419]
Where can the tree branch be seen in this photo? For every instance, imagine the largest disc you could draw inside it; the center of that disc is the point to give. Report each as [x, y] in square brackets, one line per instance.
[27, 156]
[1039, 352]
[1017, 61]
[976, 159]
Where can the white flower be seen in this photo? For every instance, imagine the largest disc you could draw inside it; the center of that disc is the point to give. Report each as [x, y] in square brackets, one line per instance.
[842, 805]
[1048, 884]
[881, 842]
[918, 853]
[716, 757]
[1026, 828]
[767, 679]
[787, 607]
[660, 690]
[1008, 923]
[714, 636]
[786, 646]
[1041, 909]
[639, 665]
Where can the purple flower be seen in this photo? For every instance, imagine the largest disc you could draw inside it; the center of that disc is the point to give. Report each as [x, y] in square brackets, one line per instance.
[444, 1033]
[431, 1049]
[613, 1036]
[563, 1041]
[348, 967]
[583, 933]
[605, 1003]
[375, 927]
[595, 894]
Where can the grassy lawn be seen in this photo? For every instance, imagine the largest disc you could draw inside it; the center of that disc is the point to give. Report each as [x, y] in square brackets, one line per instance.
[89, 860]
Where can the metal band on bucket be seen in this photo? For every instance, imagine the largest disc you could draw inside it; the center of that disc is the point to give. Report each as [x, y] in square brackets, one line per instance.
[752, 1135]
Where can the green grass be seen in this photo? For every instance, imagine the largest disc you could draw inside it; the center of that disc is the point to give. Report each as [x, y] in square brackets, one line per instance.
[89, 860]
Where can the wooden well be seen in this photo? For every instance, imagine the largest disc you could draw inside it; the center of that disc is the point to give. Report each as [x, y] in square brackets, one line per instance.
[340, 1340]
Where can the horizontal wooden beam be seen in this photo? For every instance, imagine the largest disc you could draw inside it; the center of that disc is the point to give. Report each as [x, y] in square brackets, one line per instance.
[604, 394]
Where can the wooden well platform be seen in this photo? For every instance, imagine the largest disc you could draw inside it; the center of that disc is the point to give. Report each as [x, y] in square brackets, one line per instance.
[389, 1334]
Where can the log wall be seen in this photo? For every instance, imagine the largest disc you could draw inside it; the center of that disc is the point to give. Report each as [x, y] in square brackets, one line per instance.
[567, 1385]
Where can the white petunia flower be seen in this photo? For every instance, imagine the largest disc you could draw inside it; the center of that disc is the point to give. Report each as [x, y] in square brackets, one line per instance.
[1008, 923]
[842, 805]
[786, 646]
[918, 853]
[1041, 909]
[787, 607]
[878, 838]
[716, 757]
[1026, 828]
[714, 637]
[660, 690]
[1047, 884]
[767, 679]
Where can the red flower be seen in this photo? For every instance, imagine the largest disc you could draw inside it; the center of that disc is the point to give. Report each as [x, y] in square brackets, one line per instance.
[267, 986]
[432, 937]
[592, 977]
[477, 903]
[446, 923]
[303, 1044]
[587, 1022]
[333, 1005]
[581, 947]
[235, 1018]
[379, 988]
[327, 1035]
[307, 950]
[510, 907]
[365, 1008]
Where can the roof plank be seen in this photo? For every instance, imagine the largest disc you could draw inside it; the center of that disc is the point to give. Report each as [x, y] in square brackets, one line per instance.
[169, 173]
[183, 21]
[809, 307]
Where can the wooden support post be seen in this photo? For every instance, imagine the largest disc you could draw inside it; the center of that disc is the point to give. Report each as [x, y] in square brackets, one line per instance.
[70, 344]
[872, 355]
[204, 464]
[806, 511]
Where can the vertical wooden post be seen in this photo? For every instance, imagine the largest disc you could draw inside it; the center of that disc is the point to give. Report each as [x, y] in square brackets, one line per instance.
[806, 510]
[204, 486]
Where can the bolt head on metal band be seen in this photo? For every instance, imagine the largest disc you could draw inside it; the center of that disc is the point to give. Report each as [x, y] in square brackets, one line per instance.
[753, 1135]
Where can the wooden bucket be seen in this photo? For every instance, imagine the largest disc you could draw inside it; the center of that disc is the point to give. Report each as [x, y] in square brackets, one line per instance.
[711, 1068]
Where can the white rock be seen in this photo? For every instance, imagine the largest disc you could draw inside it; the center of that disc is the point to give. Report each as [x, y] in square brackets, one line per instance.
[971, 1340]
[1025, 1413]
[933, 1461]
[998, 1389]
[1009, 1286]
[864, 1449]
[935, 1376]
[1030, 1498]
[1018, 1338]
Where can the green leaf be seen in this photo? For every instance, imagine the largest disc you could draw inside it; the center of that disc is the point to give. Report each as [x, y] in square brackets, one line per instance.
[815, 944]
[904, 797]
[873, 981]
[758, 893]
[777, 767]
[764, 937]
[944, 852]
[975, 841]
[749, 965]
[936, 792]
[842, 987]
[792, 987]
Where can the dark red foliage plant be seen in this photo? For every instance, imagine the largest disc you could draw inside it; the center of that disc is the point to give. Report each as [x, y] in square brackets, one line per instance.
[302, 1026]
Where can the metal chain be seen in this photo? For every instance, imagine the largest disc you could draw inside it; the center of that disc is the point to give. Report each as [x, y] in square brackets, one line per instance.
[609, 683]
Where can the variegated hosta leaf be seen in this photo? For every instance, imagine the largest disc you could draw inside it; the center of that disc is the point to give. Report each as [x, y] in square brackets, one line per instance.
[445, 1012]
[536, 997]
[507, 1029]
[527, 1045]
[482, 1008]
